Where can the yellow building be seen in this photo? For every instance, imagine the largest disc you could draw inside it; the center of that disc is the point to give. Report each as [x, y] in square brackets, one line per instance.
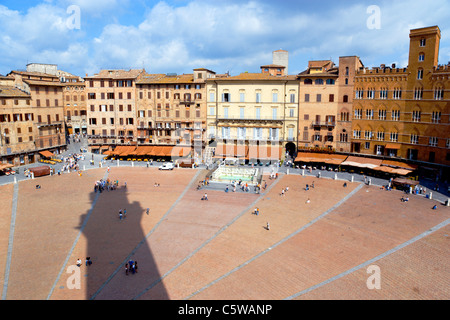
[255, 112]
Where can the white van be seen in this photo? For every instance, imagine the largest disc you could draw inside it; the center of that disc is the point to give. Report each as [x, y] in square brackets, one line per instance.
[167, 166]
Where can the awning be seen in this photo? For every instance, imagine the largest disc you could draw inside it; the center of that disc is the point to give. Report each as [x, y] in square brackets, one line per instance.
[46, 154]
[334, 159]
[393, 146]
[127, 151]
[181, 151]
[4, 166]
[397, 164]
[107, 152]
[362, 162]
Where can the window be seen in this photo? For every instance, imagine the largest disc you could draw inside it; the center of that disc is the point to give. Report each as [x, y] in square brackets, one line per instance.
[383, 93]
[369, 114]
[242, 133]
[258, 113]
[397, 94]
[318, 82]
[212, 111]
[225, 112]
[241, 97]
[371, 94]
[306, 97]
[380, 136]
[436, 117]
[438, 94]
[307, 81]
[343, 137]
[368, 135]
[447, 144]
[356, 134]
[211, 97]
[423, 42]
[292, 100]
[346, 81]
[416, 116]
[418, 94]
[433, 141]
[414, 139]
[274, 97]
[422, 57]
[225, 97]
[382, 114]
[319, 98]
[331, 98]
[345, 99]
[359, 94]
[242, 113]
[274, 113]
[394, 136]
[367, 145]
[257, 133]
[345, 116]
[292, 113]
[358, 114]
[420, 74]
[396, 115]
[330, 82]
[258, 97]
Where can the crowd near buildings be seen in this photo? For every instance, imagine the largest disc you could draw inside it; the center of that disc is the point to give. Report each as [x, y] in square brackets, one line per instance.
[338, 110]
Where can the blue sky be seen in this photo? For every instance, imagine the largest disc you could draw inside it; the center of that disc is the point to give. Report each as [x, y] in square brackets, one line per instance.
[233, 36]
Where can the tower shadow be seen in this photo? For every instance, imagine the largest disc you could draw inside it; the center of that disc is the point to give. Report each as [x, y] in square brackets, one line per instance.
[112, 242]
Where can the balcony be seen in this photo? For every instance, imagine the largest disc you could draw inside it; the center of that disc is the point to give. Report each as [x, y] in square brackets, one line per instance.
[327, 124]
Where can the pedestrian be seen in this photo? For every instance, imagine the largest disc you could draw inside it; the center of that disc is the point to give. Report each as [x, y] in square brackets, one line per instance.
[126, 269]
[88, 261]
[268, 226]
[79, 262]
[308, 201]
[120, 215]
[148, 211]
[135, 267]
[124, 213]
[206, 196]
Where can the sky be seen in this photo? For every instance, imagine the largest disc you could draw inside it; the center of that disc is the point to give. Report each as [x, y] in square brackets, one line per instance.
[176, 36]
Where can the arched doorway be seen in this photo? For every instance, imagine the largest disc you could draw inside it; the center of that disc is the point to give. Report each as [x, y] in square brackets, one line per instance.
[291, 149]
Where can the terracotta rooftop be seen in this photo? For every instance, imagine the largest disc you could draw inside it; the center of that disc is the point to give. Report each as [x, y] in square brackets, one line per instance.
[12, 92]
[257, 77]
[43, 83]
[34, 74]
[117, 74]
[165, 79]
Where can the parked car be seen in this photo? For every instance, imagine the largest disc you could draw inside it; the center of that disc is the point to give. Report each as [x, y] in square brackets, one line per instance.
[167, 166]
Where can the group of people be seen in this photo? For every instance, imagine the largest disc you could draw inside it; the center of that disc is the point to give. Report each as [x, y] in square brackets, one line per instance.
[284, 191]
[107, 184]
[122, 214]
[131, 267]
[88, 262]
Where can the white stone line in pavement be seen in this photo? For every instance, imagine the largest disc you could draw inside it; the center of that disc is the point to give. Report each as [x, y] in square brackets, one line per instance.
[245, 211]
[371, 261]
[80, 232]
[280, 242]
[191, 183]
[11, 239]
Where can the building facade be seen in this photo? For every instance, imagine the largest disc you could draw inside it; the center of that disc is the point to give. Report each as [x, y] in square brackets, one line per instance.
[17, 126]
[171, 109]
[403, 113]
[111, 109]
[75, 107]
[47, 100]
[255, 111]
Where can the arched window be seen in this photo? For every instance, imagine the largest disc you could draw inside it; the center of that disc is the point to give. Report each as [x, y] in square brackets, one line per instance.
[319, 82]
[330, 81]
[345, 99]
[308, 81]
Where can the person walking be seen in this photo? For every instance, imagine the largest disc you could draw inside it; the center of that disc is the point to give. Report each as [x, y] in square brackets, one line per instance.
[126, 269]
[148, 211]
[268, 226]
